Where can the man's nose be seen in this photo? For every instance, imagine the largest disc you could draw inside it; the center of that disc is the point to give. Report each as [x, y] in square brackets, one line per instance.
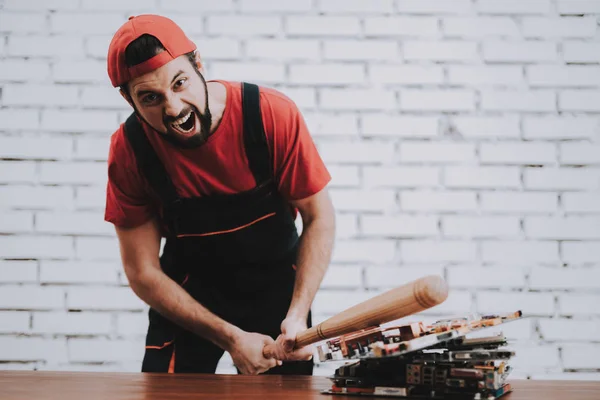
[173, 106]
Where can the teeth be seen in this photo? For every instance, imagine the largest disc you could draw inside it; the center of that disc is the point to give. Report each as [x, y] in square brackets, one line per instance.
[182, 120]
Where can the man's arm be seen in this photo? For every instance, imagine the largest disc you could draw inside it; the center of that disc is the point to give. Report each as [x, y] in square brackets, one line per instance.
[314, 255]
[140, 248]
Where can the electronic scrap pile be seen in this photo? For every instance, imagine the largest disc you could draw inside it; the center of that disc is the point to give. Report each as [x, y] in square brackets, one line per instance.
[423, 362]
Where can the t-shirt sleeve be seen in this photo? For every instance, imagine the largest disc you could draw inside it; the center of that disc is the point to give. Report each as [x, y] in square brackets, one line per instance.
[128, 203]
[299, 169]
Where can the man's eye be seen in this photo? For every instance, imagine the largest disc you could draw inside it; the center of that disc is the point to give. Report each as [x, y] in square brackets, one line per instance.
[179, 83]
[150, 98]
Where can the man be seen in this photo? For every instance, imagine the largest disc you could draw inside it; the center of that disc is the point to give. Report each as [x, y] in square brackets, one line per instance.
[219, 169]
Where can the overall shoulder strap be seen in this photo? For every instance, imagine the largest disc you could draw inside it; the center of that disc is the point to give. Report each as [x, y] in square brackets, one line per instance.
[255, 140]
[148, 161]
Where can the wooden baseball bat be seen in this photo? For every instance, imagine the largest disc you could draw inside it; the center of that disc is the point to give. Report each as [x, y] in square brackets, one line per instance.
[407, 299]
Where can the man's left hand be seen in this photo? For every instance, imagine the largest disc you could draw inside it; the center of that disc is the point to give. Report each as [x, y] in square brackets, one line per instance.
[286, 342]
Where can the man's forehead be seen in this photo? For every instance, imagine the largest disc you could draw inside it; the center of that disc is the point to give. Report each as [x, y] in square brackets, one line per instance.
[160, 77]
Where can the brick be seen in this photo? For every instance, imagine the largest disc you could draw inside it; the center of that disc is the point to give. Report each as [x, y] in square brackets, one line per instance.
[581, 252]
[36, 197]
[390, 277]
[251, 71]
[14, 321]
[356, 152]
[97, 46]
[332, 124]
[346, 277]
[37, 5]
[42, 46]
[405, 74]
[322, 25]
[504, 302]
[346, 226]
[578, 6]
[18, 272]
[362, 200]
[519, 251]
[399, 226]
[303, 97]
[342, 176]
[434, 7]
[564, 127]
[30, 297]
[132, 323]
[113, 5]
[428, 251]
[88, 248]
[326, 74]
[491, 75]
[581, 52]
[36, 247]
[457, 303]
[567, 228]
[570, 27]
[401, 176]
[354, 6]
[519, 202]
[12, 22]
[78, 272]
[218, 48]
[478, 27]
[84, 173]
[23, 71]
[103, 350]
[561, 179]
[578, 304]
[401, 26]
[581, 356]
[92, 148]
[485, 127]
[357, 99]
[96, 23]
[435, 152]
[364, 250]
[579, 100]
[102, 97]
[399, 126]
[74, 323]
[564, 278]
[464, 226]
[438, 201]
[552, 76]
[358, 50]
[567, 376]
[437, 100]
[524, 153]
[581, 202]
[89, 71]
[518, 100]
[333, 302]
[531, 357]
[440, 51]
[17, 172]
[90, 197]
[33, 349]
[482, 177]
[103, 298]
[525, 51]
[197, 5]
[250, 6]
[16, 222]
[282, 50]
[19, 120]
[485, 277]
[45, 95]
[519, 330]
[513, 7]
[27, 147]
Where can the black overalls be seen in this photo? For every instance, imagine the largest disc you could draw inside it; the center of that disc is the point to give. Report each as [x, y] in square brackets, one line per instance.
[235, 254]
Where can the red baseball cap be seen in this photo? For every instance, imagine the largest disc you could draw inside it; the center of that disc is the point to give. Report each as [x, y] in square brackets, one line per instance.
[175, 42]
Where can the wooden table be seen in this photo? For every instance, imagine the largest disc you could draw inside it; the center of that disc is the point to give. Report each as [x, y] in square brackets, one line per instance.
[30, 385]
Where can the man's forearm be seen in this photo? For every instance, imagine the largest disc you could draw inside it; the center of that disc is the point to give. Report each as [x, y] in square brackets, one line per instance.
[314, 255]
[174, 303]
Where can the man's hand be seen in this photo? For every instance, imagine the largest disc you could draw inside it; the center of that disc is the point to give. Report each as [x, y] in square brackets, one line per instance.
[287, 340]
[247, 353]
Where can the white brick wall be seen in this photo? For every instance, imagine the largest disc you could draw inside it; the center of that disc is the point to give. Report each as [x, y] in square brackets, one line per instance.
[463, 138]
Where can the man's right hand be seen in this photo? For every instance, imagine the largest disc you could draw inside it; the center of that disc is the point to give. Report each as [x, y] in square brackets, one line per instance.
[247, 353]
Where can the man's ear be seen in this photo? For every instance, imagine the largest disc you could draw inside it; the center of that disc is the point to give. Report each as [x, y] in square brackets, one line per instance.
[126, 97]
[198, 62]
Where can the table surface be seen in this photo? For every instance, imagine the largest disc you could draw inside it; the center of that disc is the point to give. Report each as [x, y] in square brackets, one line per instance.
[37, 385]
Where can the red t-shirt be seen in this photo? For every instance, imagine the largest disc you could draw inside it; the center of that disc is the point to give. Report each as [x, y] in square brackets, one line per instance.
[219, 166]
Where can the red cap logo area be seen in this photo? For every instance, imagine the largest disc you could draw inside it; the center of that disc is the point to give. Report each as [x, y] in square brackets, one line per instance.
[175, 42]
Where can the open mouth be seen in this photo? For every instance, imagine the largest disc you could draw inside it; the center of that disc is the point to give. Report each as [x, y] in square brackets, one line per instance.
[185, 124]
